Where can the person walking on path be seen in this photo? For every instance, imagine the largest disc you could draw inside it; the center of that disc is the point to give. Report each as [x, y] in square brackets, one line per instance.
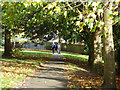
[58, 48]
[53, 47]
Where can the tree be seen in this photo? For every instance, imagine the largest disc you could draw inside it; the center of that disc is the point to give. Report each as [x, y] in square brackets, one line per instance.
[7, 24]
[11, 23]
[109, 60]
[118, 41]
[24, 17]
[92, 22]
[116, 32]
[8, 46]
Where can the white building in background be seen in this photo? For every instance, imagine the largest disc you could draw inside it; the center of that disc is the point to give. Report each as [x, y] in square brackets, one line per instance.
[26, 43]
[31, 45]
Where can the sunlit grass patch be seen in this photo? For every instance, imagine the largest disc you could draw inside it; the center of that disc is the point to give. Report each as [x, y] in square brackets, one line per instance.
[9, 79]
[77, 56]
[82, 78]
[22, 65]
[40, 50]
[79, 77]
[74, 67]
[36, 52]
[15, 70]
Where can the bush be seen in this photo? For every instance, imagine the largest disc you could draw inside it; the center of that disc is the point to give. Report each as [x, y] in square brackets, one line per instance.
[48, 46]
[72, 48]
[16, 52]
[86, 51]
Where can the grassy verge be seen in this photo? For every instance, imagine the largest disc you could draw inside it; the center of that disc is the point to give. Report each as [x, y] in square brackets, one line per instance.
[24, 64]
[49, 52]
[75, 56]
[15, 70]
[80, 77]
[66, 54]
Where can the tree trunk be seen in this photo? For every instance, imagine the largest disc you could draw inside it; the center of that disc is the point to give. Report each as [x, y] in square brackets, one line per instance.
[117, 46]
[118, 60]
[8, 46]
[109, 60]
[97, 64]
[59, 41]
[91, 50]
[118, 51]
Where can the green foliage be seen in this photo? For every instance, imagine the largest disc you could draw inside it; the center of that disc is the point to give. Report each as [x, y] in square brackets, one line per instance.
[86, 51]
[117, 19]
[17, 69]
[16, 52]
[43, 18]
[71, 21]
[48, 46]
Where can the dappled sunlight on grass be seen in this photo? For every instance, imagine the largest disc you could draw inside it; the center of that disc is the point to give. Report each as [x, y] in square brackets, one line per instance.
[79, 75]
[13, 72]
[28, 61]
[16, 69]
[85, 57]
[9, 79]
[82, 78]
[75, 68]
[38, 52]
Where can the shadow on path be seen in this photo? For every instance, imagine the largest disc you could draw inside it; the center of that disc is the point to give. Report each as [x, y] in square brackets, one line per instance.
[52, 75]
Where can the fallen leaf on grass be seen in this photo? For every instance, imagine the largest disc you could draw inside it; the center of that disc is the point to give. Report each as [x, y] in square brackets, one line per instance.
[78, 79]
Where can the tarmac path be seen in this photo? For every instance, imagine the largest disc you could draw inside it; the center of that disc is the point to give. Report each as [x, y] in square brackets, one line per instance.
[52, 76]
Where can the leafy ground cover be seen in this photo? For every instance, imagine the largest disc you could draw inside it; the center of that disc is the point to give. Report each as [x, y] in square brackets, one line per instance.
[16, 70]
[80, 76]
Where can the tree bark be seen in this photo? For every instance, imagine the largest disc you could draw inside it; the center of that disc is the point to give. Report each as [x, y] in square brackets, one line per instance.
[91, 50]
[97, 64]
[109, 60]
[59, 41]
[8, 46]
[118, 51]
[118, 60]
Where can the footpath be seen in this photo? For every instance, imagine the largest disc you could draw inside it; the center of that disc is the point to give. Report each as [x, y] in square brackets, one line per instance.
[51, 76]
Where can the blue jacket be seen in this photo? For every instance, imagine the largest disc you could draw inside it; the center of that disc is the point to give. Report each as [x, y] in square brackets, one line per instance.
[53, 45]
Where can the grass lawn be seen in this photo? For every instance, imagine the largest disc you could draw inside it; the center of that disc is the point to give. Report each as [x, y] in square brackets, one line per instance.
[49, 52]
[15, 70]
[77, 56]
[80, 77]
[66, 54]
